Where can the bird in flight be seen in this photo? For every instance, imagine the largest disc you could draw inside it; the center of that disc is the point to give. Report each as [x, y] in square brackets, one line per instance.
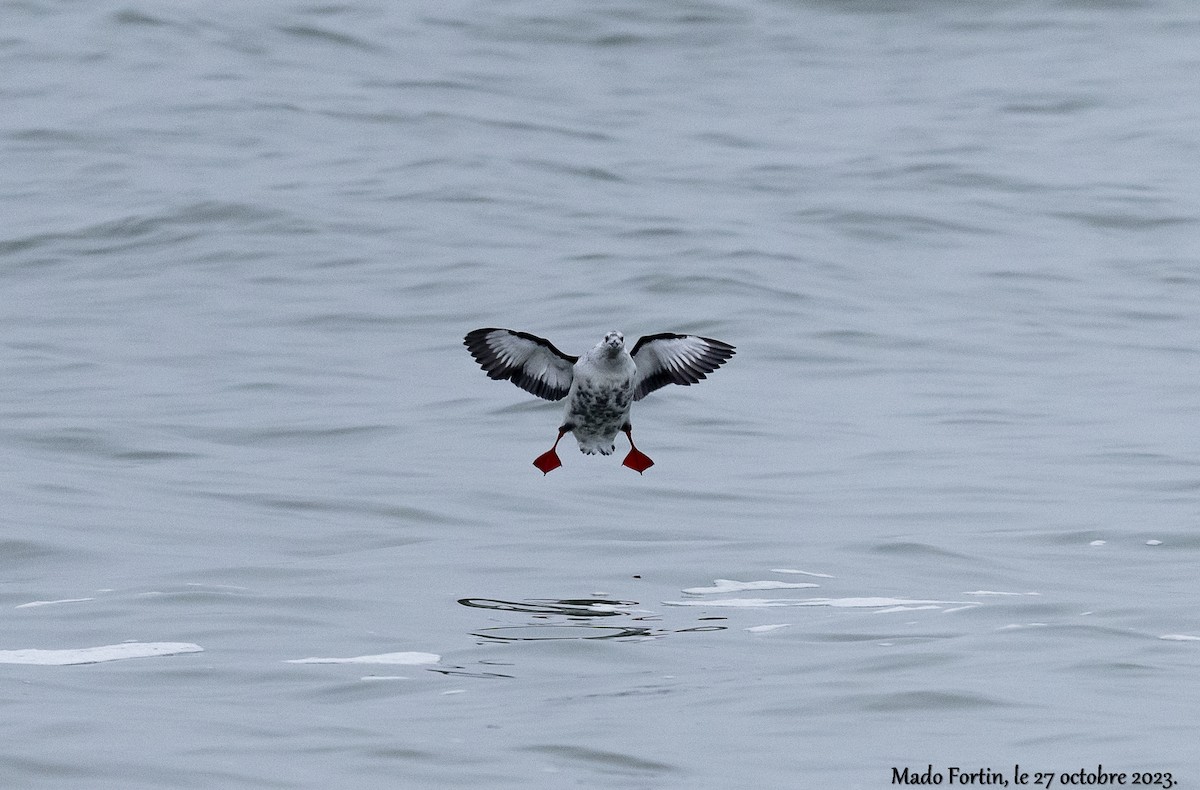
[600, 386]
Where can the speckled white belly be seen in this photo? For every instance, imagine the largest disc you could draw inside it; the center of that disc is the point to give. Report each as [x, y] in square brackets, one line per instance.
[596, 409]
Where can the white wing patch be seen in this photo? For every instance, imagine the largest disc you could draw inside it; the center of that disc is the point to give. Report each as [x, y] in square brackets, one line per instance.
[675, 359]
[529, 361]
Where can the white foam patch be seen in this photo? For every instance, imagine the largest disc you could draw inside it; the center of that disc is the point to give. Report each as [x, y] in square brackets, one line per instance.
[802, 573]
[383, 677]
[996, 592]
[1180, 638]
[731, 586]
[891, 609]
[606, 607]
[1098, 542]
[1154, 543]
[762, 629]
[768, 603]
[96, 655]
[382, 658]
[32, 604]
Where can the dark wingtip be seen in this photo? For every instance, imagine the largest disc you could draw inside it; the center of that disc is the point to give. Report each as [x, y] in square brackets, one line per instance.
[476, 336]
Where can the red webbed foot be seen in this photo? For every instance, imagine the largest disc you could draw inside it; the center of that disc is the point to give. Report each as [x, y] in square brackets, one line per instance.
[636, 460]
[548, 461]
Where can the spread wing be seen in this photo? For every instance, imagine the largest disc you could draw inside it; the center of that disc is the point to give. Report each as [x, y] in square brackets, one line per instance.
[675, 359]
[529, 361]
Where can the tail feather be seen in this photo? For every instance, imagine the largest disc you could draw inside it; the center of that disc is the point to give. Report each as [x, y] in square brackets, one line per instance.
[590, 445]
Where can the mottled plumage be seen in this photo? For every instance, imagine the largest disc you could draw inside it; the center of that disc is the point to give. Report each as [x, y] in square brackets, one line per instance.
[600, 386]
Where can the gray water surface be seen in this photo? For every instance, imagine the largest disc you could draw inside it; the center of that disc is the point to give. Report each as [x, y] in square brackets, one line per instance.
[954, 243]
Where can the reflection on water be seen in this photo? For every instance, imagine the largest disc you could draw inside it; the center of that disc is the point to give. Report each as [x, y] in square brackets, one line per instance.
[570, 607]
[569, 618]
[537, 633]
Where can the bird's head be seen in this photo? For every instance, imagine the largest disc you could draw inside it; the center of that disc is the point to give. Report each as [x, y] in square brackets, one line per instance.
[613, 342]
